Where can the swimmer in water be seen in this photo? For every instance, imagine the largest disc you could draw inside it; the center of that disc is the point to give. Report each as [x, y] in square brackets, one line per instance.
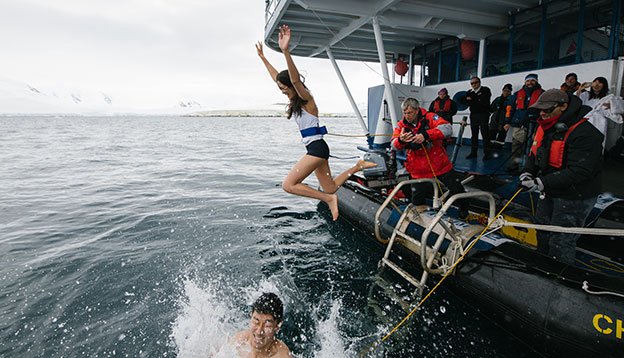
[259, 340]
[303, 110]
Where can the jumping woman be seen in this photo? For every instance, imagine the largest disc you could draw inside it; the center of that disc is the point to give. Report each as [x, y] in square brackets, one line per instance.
[303, 110]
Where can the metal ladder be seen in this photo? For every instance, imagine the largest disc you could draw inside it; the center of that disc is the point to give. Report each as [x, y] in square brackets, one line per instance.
[431, 260]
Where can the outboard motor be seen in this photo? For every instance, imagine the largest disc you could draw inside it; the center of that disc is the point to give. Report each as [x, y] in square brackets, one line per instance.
[386, 164]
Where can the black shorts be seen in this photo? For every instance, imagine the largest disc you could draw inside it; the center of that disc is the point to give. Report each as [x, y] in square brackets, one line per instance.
[318, 148]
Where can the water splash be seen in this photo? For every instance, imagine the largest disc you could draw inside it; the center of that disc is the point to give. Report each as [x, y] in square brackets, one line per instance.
[204, 323]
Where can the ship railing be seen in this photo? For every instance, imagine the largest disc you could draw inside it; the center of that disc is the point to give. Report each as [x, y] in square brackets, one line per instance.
[270, 6]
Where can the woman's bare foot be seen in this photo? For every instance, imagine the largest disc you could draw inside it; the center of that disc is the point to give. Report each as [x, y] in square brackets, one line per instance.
[333, 205]
[363, 164]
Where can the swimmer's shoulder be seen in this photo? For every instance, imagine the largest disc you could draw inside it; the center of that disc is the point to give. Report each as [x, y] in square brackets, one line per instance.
[282, 350]
[239, 337]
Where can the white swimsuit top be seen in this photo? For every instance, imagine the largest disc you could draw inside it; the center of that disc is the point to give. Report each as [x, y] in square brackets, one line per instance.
[306, 120]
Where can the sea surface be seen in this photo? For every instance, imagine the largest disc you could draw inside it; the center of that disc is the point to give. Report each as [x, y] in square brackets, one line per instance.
[150, 237]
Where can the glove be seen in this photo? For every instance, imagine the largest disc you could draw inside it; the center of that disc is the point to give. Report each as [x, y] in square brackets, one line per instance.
[526, 176]
[531, 184]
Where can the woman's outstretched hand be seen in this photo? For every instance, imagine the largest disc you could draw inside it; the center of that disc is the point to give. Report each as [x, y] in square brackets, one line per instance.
[259, 49]
[284, 37]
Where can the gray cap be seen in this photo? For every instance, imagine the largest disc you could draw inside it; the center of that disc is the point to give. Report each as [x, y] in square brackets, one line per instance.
[550, 98]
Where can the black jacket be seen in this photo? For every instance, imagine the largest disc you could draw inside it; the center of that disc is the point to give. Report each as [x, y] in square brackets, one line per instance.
[499, 109]
[479, 102]
[579, 175]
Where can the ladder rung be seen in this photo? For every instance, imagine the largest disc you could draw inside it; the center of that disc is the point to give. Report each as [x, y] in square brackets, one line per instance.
[401, 272]
[407, 237]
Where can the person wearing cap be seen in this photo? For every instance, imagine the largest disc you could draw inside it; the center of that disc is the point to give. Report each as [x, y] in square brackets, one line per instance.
[571, 83]
[564, 164]
[444, 107]
[478, 99]
[497, 121]
[518, 117]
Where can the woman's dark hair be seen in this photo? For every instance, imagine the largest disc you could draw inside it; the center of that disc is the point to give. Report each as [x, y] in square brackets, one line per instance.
[296, 104]
[603, 91]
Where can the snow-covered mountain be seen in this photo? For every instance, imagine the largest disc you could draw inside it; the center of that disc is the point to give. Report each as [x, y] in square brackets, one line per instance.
[21, 98]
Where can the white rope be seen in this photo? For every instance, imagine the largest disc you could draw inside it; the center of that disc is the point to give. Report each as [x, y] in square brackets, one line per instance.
[586, 289]
[568, 230]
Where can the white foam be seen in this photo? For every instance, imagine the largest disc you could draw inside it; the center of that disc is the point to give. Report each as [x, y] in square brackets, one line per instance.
[207, 320]
[332, 344]
[204, 324]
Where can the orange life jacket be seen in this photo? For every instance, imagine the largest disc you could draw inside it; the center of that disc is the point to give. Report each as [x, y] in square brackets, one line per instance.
[447, 105]
[555, 157]
[522, 95]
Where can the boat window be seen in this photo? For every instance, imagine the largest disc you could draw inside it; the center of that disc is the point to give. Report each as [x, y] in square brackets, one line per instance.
[431, 65]
[561, 33]
[469, 58]
[449, 60]
[601, 37]
[597, 30]
[526, 40]
[620, 46]
[497, 54]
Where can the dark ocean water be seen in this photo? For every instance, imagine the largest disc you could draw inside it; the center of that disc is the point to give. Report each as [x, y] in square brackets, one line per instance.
[149, 237]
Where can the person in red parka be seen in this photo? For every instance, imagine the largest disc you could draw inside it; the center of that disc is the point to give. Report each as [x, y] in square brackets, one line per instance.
[421, 131]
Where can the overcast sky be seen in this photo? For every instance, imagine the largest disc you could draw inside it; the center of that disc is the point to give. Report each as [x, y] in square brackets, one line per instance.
[150, 52]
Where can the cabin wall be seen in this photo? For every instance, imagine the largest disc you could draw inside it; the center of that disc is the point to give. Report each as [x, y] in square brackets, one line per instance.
[548, 78]
[379, 121]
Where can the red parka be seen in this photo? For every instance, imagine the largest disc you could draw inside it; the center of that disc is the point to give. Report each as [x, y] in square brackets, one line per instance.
[435, 129]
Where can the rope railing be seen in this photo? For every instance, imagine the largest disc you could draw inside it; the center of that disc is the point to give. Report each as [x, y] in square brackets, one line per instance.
[500, 222]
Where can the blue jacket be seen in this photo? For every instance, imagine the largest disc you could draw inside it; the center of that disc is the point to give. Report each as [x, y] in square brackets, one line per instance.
[520, 117]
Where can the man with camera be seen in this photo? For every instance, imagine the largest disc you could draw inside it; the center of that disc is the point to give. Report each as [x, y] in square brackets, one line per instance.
[421, 133]
[564, 164]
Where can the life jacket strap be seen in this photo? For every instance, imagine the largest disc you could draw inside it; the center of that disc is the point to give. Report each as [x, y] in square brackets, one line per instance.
[308, 132]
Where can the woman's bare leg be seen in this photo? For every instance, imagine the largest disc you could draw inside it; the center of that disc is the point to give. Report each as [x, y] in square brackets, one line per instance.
[305, 166]
[329, 185]
[293, 182]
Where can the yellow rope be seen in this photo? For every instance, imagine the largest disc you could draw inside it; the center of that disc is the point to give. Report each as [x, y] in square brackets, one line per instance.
[448, 273]
[433, 171]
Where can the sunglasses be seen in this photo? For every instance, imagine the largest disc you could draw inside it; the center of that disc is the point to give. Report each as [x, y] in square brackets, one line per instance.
[474, 83]
[549, 110]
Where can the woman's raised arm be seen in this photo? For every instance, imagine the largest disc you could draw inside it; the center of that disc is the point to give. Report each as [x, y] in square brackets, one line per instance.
[272, 71]
[284, 40]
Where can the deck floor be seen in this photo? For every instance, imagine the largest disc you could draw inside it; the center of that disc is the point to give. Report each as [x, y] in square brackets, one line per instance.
[612, 174]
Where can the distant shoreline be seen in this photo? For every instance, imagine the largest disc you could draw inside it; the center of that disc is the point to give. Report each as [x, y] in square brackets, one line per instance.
[230, 114]
[256, 113]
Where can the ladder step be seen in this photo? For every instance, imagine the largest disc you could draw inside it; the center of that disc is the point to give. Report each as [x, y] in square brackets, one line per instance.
[416, 248]
[407, 237]
[401, 272]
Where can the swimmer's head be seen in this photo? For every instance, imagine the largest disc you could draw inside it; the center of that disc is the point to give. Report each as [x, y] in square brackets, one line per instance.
[269, 303]
[266, 321]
